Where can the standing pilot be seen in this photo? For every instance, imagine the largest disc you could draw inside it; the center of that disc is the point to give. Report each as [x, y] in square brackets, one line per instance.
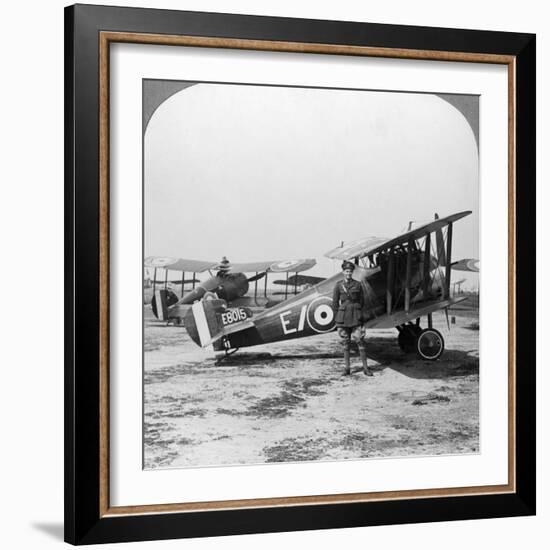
[347, 303]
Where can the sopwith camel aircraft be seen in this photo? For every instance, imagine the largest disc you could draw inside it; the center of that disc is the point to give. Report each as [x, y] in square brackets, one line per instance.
[405, 279]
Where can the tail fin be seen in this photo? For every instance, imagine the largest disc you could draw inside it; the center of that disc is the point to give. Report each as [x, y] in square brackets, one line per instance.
[161, 301]
[203, 321]
[208, 320]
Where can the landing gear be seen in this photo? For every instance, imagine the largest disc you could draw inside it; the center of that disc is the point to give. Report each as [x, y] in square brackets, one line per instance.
[408, 335]
[427, 343]
[430, 344]
[227, 354]
[223, 345]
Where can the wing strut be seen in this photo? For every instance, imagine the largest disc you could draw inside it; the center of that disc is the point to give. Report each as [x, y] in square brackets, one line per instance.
[427, 261]
[389, 282]
[182, 283]
[286, 286]
[408, 277]
[448, 261]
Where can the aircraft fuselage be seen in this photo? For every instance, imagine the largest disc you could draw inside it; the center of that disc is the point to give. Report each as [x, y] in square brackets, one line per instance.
[311, 312]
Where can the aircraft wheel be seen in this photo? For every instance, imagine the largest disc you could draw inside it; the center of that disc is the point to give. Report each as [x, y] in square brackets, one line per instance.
[430, 344]
[407, 338]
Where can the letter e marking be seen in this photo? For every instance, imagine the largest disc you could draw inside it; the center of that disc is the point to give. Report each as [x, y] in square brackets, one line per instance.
[302, 318]
[285, 322]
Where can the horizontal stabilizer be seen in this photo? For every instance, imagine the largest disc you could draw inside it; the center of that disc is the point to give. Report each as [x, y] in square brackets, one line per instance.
[237, 327]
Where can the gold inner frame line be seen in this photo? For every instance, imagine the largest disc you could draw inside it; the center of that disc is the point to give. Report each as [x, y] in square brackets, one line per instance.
[105, 39]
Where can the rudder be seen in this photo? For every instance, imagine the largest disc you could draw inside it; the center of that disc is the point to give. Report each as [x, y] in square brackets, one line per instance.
[203, 321]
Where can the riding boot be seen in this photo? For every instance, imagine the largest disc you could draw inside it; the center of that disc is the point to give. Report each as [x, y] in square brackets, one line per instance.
[347, 369]
[366, 369]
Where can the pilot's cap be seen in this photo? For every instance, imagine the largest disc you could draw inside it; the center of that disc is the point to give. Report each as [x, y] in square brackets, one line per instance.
[348, 265]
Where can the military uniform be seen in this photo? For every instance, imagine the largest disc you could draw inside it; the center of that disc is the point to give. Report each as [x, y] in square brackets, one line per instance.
[347, 302]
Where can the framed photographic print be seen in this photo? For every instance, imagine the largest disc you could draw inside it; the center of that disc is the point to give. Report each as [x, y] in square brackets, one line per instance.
[299, 274]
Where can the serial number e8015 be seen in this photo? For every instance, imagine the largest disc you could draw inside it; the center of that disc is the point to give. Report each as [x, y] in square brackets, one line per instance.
[234, 316]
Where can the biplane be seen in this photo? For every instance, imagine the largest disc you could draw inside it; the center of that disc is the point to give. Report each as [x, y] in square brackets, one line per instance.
[457, 286]
[227, 281]
[405, 279]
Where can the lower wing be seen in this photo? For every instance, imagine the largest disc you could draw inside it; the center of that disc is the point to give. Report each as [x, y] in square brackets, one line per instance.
[401, 317]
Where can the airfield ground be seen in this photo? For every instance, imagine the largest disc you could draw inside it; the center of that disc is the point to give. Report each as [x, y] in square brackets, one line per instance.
[289, 401]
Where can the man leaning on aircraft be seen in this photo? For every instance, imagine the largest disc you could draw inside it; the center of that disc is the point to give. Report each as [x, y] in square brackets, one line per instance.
[348, 301]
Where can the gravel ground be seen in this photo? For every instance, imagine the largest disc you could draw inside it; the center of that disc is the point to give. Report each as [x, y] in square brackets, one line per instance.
[289, 402]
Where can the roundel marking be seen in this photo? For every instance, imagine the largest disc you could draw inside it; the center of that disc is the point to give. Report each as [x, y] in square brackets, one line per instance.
[320, 316]
[323, 315]
[286, 265]
[473, 265]
[161, 262]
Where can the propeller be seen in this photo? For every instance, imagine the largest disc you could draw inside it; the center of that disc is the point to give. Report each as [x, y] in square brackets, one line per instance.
[257, 277]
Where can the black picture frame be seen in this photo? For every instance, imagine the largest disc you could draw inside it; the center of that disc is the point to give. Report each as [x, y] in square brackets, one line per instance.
[85, 522]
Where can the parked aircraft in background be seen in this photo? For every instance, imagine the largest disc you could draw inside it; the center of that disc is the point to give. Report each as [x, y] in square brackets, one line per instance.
[228, 281]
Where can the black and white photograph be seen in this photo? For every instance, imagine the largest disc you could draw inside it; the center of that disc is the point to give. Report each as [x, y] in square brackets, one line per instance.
[275, 275]
[310, 274]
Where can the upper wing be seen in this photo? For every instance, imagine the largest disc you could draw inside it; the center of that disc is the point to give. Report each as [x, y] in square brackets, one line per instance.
[281, 266]
[250, 267]
[466, 265]
[372, 245]
[294, 266]
[198, 266]
[179, 264]
[360, 247]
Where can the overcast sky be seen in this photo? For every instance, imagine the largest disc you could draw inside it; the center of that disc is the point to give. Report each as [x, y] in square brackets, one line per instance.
[260, 173]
